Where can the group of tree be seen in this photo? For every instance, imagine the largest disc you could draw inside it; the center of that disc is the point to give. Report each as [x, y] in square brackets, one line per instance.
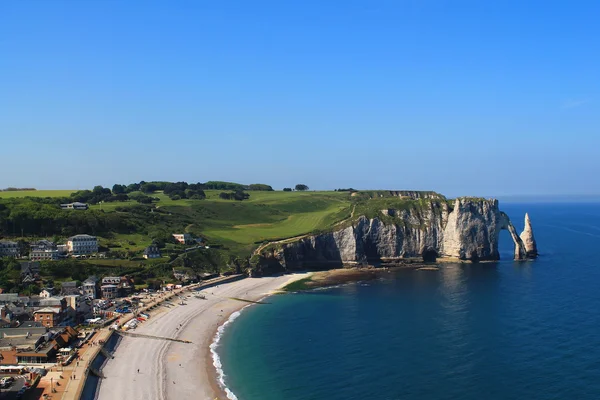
[42, 217]
[299, 187]
[238, 195]
[14, 189]
[346, 190]
[220, 185]
[183, 190]
[96, 195]
[142, 198]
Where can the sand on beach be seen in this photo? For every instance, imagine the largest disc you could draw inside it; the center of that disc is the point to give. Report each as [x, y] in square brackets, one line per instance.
[172, 370]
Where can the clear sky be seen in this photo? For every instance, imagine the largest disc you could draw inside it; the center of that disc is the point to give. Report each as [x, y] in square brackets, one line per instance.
[461, 97]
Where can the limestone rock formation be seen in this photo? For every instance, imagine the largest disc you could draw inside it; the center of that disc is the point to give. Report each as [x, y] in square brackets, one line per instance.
[528, 239]
[467, 230]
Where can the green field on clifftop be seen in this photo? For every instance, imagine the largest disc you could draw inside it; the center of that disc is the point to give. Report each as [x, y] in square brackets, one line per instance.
[34, 193]
[237, 227]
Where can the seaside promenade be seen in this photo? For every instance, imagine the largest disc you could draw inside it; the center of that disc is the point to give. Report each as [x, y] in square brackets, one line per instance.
[68, 382]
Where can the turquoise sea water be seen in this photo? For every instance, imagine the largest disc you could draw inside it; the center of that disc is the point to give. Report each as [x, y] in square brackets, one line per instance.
[506, 330]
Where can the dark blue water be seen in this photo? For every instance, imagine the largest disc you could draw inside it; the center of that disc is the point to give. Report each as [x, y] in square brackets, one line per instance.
[506, 330]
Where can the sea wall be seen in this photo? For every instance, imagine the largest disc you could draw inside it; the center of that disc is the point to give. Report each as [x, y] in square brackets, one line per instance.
[92, 380]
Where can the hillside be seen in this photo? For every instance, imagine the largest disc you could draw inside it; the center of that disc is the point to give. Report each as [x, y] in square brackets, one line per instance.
[235, 226]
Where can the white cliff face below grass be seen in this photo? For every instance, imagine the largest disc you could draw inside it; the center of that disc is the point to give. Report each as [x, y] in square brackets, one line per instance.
[468, 231]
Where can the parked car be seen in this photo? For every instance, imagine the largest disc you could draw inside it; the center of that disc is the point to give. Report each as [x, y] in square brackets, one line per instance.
[6, 382]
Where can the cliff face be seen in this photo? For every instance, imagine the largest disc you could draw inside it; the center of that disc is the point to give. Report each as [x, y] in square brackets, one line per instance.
[467, 231]
[528, 239]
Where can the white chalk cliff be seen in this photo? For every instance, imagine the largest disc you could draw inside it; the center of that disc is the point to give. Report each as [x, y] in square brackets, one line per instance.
[528, 239]
[467, 230]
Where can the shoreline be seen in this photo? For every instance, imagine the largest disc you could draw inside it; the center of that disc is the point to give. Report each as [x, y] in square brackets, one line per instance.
[215, 377]
[174, 370]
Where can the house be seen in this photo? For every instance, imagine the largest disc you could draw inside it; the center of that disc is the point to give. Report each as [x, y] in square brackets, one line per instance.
[90, 287]
[111, 280]
[57, 302]
[47, 292]
[49, 317]
[109, 291]
[43, 250]
[123, 286]
[82, 244]
[9, 249]
[30, 271]
[183, 238]
[151, 251]
[68, 288]
[78, 308]
[74, 206]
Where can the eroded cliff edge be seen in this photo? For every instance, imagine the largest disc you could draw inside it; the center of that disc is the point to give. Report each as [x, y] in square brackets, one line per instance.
[429, 229]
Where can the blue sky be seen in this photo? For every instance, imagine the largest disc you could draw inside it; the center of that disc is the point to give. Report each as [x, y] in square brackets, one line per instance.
[461, 97]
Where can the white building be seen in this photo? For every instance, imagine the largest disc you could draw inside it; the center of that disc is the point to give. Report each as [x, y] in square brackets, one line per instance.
[47, 293]
[82, 244]
[183, 238]
[43, 250]
[74, 206]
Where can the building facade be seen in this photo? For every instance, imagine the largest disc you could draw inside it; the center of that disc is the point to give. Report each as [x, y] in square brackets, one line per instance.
[109, 291]
[48, 317]
[183, 238]
[90, 287]
[43, 250]
[151, 251]
[82, 245]
[74, 206]
[9, 248]
[78, 308]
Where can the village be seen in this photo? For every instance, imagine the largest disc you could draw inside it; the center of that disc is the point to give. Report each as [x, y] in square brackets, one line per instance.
[42, 332]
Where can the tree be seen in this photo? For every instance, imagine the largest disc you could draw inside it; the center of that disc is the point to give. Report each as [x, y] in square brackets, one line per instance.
[260, 187]
[301, 187]
[148, 187]
[287, 189]
[118, 189]
[134, 187]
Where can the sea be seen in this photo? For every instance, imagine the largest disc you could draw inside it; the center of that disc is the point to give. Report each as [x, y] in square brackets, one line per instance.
[503, 330]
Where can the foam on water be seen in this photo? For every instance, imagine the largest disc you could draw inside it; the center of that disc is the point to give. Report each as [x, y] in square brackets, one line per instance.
[213, 350]
[217, 359]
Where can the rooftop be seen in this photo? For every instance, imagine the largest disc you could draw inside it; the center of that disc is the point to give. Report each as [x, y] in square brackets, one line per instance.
[91, 279]
[47, 310]
[82, 237]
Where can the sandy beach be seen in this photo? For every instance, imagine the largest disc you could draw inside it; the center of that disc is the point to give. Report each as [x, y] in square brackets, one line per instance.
[172, 370]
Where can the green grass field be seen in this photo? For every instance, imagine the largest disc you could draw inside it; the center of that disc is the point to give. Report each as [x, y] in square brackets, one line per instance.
[237, 225]
[241, 225]
[36, 193]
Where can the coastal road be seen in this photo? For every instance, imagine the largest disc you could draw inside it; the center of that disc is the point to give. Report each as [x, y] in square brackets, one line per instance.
[171, 370]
